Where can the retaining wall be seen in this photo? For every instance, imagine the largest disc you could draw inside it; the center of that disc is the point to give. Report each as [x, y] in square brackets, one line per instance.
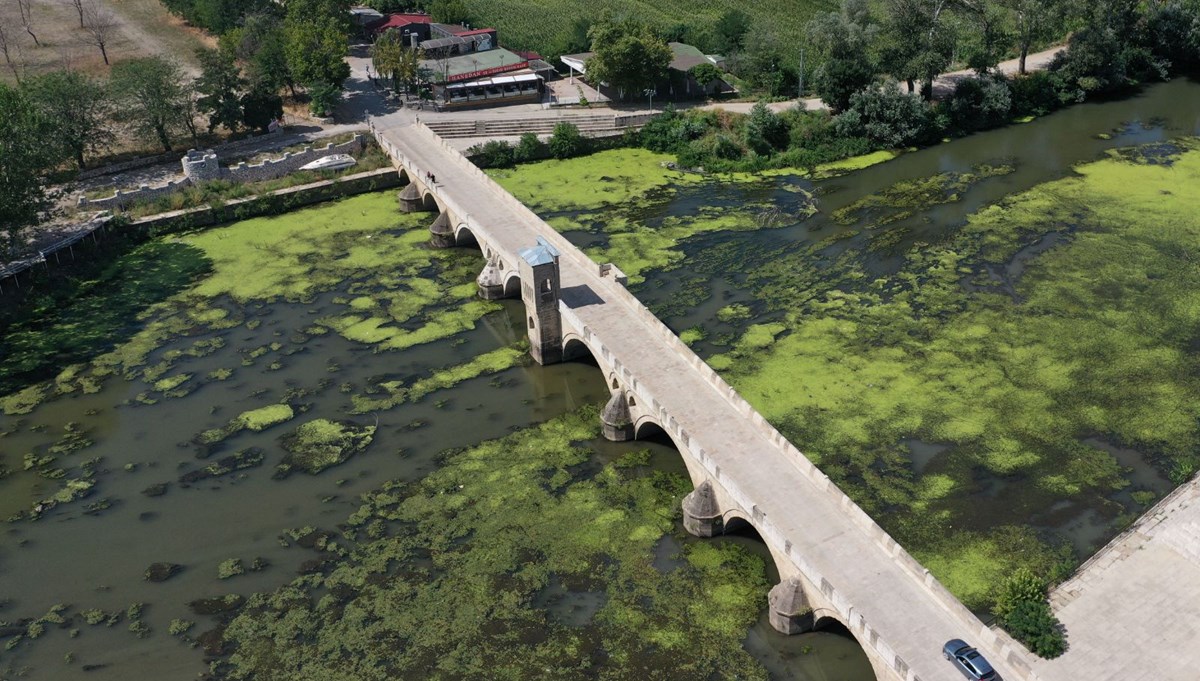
[242, 172]
[274, 203]
[168, 157]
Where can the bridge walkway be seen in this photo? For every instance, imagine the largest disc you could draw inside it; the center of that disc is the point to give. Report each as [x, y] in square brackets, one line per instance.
[888, 601]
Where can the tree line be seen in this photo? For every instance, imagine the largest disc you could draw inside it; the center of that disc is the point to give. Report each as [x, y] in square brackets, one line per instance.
[68, 117]
[291, 44]
[1120, 45]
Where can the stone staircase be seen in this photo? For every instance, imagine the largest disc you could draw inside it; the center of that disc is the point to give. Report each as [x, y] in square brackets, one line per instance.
[591, 125]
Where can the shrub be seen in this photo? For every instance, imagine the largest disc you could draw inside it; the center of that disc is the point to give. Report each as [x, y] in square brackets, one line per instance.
[1022, 610]
[1034, 625]
[1035, 94]
[765, 131]
[979, 104]
[494, 154]
[529, 148]
[567, 142]
[887, 116]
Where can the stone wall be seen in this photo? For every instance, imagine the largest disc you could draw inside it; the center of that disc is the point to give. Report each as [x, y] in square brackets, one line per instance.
[146, 161]
[274, 203]
[200, 166]
[289, 162]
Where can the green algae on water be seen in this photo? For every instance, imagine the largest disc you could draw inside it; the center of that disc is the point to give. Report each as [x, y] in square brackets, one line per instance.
[1093, 336]
[321, 444]
[255, 419]
[449, 571]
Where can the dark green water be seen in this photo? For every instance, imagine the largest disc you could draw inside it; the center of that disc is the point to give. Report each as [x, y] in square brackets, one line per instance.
[97, 561]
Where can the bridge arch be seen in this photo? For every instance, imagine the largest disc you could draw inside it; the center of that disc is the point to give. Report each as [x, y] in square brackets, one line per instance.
[736, 522]
[512, 286]
[429, 203]
[463, 236]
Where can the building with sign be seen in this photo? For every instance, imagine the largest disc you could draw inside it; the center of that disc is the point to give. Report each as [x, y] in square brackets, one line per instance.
[466, 67]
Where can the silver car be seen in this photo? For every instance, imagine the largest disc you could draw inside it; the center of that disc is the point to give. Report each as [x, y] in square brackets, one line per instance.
[973, 665]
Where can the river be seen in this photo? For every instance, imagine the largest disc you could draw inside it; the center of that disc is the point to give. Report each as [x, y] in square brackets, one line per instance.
[318, 350]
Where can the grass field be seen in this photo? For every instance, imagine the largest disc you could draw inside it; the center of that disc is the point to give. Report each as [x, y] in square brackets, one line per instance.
[538, 24]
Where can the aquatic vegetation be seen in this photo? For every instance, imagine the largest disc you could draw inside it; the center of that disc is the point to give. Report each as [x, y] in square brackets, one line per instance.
[1092, 336]
[241, 460]
[397, 392]
[608, 178]
[449, 571]
[321, 444]
[180, 627]
[902, 199]
[612, 191]
[230, 568]
[255, 419]
[837, 168]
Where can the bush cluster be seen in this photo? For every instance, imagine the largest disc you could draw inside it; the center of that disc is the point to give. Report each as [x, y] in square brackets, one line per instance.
[1022, 610]
[565, 142]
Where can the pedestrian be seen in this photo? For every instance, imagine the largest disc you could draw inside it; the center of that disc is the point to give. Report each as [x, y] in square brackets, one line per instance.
[433, 178]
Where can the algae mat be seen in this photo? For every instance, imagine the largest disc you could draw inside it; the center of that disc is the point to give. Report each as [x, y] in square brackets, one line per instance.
[996, 378]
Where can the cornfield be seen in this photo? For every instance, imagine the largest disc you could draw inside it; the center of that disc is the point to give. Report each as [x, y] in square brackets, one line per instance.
[539, 24]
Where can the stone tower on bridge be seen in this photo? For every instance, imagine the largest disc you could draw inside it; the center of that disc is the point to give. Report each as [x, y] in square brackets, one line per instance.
[540, 291]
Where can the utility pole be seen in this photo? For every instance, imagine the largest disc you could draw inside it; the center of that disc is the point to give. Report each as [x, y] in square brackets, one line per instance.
[800, 92]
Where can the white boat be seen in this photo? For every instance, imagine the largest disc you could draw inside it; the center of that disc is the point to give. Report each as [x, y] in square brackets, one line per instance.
[334, 162]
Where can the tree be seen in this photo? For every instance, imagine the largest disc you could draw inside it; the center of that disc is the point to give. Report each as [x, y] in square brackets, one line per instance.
[25, 7]
[100, 26]
[990, 38]
[1174, 34]
[1032, 21]
[387, 54]
[8, 46]
[886, 116]
[79, 109]
[765, 131]
[259, 43]
[770, 61]
[151, 95]
[316, 48]
[220, 86]
[1108, 53]
[731, 31]
[705, 75]
[260, 107]
[189, 110]
[628, 56]
[918, 41]
[528, 148]
[24, 197]
[843, 45]
[78, 6]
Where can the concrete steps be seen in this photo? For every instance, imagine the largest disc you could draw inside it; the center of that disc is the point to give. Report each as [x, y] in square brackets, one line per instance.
[514, 127]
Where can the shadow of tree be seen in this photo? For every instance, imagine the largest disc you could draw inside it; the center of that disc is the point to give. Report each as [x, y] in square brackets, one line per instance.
[77, 313]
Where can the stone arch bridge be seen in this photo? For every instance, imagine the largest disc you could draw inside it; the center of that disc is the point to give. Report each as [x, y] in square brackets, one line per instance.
[835, 563]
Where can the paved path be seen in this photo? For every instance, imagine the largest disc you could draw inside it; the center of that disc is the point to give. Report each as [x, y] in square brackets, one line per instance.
[897, 606]
[1133, 611]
